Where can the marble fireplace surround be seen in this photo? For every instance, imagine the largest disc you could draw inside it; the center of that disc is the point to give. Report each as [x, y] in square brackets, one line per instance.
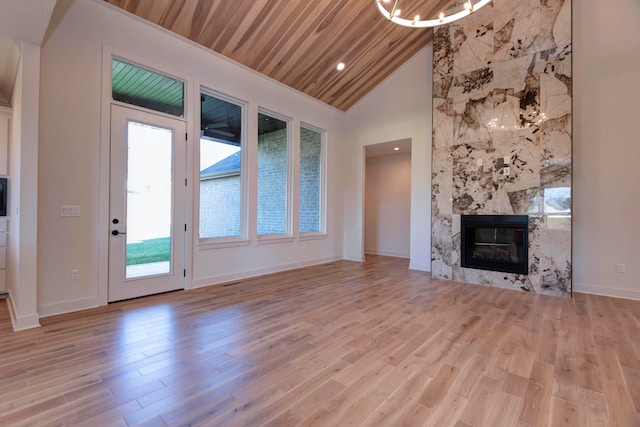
[502, 136]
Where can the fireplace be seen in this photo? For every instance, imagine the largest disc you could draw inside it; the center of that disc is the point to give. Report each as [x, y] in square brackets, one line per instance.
[495, 242]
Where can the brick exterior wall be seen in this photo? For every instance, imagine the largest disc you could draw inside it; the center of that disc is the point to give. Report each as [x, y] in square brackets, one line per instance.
[220, 207]
[272, 182]
[310, 178]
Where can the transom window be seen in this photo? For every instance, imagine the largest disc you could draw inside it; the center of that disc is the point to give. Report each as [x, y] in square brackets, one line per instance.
[139, 86]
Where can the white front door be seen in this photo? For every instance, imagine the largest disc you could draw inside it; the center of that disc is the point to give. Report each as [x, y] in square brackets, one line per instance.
[147, 204]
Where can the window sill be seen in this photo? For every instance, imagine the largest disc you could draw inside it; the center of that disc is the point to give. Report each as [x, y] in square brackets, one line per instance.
[313, 236]
[274, 238]
[204, 246]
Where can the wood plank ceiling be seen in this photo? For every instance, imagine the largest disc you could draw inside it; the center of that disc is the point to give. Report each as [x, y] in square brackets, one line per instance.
[299, 42]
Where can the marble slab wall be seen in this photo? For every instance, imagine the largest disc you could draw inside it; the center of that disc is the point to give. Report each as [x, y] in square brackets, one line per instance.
[502, 88]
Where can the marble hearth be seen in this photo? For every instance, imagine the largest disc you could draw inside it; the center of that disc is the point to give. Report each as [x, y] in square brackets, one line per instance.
[502, 137]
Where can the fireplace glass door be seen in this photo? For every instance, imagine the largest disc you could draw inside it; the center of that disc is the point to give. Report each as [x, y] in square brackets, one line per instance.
[495, 242]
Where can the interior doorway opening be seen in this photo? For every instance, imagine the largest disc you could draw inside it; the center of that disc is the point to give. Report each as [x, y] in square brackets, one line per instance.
[387, 199]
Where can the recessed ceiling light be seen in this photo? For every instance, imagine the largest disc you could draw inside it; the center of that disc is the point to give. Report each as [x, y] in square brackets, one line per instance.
[396, 149]
[340, 66]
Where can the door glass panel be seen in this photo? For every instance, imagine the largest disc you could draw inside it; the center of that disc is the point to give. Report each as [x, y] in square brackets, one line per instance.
[149, 200]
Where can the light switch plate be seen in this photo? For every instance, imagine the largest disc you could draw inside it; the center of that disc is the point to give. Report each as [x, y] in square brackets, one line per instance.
[69, 210]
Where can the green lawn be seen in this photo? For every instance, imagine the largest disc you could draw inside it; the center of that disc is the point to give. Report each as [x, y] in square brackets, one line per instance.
[146, 251]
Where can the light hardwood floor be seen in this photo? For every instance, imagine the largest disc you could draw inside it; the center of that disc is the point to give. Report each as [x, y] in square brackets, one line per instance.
[346, 343]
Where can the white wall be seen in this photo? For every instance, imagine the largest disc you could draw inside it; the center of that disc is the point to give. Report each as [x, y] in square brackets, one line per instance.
[387, 205]
[606, 197]
[400, 108]
[74, 154]
[23, 191]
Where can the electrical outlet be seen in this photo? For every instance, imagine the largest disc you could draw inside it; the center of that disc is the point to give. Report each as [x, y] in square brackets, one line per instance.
[75, 274]
[621, 268]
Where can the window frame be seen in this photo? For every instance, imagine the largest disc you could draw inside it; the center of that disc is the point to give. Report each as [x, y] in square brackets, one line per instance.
[288, 234]
[322, 219]
[243, 238]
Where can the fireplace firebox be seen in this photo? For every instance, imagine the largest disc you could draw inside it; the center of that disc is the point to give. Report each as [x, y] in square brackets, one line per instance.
[495, 242]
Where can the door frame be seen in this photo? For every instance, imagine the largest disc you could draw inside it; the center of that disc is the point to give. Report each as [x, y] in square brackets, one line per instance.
[103, 220]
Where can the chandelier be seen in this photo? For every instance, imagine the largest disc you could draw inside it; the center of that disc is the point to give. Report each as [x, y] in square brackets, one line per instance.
[393, 15]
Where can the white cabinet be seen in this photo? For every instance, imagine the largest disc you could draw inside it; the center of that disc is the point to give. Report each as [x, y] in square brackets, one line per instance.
[3, 253]
[5, 125]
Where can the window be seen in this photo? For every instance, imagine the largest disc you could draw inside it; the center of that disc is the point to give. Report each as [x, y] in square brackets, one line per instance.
[145, 88]
[311, 181]
[221, 195]
[272, 175]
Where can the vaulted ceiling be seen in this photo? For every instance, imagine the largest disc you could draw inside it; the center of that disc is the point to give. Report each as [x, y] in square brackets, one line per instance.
[299, 42]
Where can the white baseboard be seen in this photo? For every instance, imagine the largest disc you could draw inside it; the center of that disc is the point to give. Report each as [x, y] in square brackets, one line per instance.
[68, 306]
[356, 258]
[240, 275]
[607, 291]
[386, 253]
[21, 323]
[420, 267]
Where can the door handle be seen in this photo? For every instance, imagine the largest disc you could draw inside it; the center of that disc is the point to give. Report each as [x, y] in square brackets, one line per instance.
[116, 232]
